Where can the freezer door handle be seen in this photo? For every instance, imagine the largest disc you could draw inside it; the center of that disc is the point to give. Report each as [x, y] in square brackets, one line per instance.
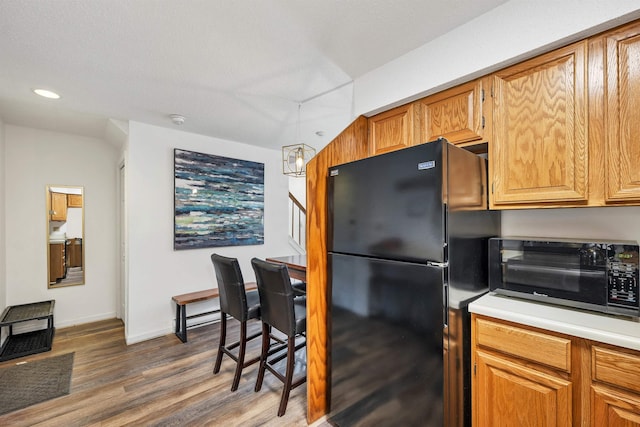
[438, 264]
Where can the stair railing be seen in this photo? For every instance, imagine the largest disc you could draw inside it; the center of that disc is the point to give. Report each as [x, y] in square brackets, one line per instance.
[297, 221]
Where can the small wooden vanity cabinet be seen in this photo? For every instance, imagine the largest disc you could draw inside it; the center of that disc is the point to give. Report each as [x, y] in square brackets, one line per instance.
[523, 375]
[57, 262]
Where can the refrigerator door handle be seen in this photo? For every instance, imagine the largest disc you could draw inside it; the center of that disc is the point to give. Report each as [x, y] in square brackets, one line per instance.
[438, 264]
[445, 305]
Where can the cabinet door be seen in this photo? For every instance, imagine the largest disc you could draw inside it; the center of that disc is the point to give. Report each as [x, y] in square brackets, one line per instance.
[58, 207]
[539, 151]
[612, 408]
[511, 394]
[392, 130]
[622, 115]
[455, 114]
[56, 261]
[74, 200]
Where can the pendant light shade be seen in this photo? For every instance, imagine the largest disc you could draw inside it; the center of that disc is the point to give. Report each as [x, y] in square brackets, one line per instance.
[296, 156]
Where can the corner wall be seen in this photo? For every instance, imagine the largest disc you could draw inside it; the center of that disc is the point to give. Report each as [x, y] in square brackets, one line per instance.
[511, 32]
[3, 265]
[156, 271]
[37, 158]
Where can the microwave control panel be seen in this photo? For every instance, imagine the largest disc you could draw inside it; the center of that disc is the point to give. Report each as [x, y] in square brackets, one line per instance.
[622, 272]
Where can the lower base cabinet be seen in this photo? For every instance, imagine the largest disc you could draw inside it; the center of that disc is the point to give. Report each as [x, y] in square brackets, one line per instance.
[525, 376]
[513, 394]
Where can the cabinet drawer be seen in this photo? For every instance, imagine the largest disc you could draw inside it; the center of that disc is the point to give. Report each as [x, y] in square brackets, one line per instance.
[537, 347]
[615, 367]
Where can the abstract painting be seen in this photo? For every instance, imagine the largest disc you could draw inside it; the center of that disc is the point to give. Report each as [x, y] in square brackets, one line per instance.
[219, 201]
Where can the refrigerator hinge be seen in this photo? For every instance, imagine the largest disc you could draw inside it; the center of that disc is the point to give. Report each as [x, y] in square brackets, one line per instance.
[438, 264]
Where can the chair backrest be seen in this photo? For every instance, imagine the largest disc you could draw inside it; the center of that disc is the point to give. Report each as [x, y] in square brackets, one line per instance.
[276, 295]
[233, 296]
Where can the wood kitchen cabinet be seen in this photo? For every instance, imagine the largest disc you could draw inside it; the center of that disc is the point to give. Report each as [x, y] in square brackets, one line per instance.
[615, 387]
[539, 151]
[57, 266]
[74, 200]
[392, 130]
[457, 114]
[58, 211]
[528, 376]
[622, 113]
[521, 377]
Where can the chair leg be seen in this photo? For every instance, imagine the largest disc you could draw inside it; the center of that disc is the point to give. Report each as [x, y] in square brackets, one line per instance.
[241, 353]
[223, 338]
[288, 377]
[266, 340]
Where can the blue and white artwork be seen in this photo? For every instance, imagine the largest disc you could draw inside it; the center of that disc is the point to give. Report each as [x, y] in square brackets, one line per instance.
[219, 201]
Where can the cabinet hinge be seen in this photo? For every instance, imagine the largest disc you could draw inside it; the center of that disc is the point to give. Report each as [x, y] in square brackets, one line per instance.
[482, 122]
[492, 91]
[482, 95]
[492, 188]
[474, 369]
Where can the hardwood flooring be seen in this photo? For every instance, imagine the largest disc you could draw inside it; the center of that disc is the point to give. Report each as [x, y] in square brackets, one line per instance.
[159, 382]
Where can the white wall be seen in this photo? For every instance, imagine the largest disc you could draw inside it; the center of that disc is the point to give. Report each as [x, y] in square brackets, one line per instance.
[3, 275]
[298, 187]
[37, 158]
[156, 270]
[621, 223]
[504, 35]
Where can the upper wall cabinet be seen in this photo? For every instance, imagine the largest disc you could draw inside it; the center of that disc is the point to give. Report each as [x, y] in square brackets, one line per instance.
[58, 211]
[539, 151]
[392, 130]
[456, 114]
[622, 113]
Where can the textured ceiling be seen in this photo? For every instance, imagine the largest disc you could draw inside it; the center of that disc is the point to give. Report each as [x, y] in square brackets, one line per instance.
[239, 70]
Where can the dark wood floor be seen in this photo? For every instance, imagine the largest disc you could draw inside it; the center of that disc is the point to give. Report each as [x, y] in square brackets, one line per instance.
[160, 382]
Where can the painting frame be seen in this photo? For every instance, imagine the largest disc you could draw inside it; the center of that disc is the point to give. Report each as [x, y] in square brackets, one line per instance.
[218, 201]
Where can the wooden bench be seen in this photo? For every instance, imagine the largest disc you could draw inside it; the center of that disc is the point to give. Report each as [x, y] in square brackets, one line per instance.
[184, 299]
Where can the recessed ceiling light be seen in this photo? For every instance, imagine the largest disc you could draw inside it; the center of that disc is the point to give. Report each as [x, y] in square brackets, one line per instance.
[46, 93]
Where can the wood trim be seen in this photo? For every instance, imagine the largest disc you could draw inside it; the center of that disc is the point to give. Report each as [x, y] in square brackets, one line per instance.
[317, 377]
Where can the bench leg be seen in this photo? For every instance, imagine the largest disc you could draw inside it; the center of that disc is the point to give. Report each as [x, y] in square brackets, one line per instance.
[181, 322]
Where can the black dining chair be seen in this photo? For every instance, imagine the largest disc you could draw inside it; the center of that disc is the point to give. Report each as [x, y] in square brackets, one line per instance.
[280, 309]
[236, 302]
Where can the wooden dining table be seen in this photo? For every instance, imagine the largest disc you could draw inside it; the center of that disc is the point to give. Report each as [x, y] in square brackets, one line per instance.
[297, 265]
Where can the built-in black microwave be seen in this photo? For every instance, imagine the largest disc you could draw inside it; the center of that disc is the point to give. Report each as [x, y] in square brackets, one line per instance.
[593, 275]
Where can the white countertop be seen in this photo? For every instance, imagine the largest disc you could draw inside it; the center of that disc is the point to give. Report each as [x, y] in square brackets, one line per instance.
[616, 330]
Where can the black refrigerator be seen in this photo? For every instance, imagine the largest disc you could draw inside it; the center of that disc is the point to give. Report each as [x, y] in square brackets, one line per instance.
[407, 248]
